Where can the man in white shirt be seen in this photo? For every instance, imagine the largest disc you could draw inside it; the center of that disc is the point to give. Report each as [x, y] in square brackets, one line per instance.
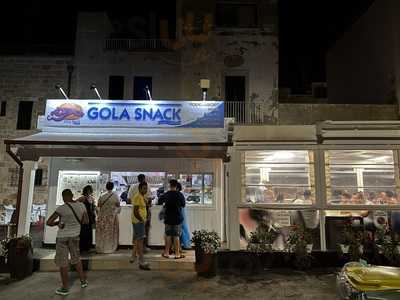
[68, 217]
[133, 190]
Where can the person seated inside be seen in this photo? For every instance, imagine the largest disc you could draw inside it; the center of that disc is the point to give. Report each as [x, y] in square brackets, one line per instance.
[268, 193]
[345, 198]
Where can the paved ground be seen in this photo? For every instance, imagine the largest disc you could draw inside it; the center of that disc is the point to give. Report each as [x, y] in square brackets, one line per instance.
[178, 285]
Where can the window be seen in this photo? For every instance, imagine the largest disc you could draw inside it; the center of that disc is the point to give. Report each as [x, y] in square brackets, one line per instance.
[24, 119]
[197, 188]
[279, 221]
[141, 87]
[39, 177]
[278, 177]
[240, 15]
[3, 108]
[360, 177]
[116, 87]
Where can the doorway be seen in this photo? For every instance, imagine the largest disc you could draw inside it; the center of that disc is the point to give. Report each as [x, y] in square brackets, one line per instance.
[140, 86]
[235, 98]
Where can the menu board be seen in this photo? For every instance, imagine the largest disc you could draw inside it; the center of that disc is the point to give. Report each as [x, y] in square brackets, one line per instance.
[76, 181]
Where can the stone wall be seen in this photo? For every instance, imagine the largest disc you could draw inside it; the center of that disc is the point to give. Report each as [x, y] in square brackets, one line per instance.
[26, 78]
[176, 73]
[308, 114]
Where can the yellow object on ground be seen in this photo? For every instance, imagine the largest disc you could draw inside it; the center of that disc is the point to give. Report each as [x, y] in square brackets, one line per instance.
[373, 278]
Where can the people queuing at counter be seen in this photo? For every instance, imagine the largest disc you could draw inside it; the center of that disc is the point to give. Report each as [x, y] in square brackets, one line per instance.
[132, 191]
[104, 219]
[86, 235]
[107, 226]
[174, 203]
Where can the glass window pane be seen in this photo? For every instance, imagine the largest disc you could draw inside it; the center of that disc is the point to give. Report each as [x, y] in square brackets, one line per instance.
[360, 177]
[208, 189]
[278, 177]
[192, 187]
[281, 222]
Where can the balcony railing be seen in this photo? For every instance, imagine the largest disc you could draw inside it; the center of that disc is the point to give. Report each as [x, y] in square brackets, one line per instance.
[246, 112]
[137, 44]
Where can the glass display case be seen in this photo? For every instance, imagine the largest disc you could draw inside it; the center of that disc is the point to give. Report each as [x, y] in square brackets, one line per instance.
[76, 181]
[155, 181]
[198, 188]
[192, 187]
[277, 176]
[360, 177]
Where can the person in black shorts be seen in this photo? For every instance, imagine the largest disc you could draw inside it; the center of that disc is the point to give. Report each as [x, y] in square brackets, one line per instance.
[174, 201]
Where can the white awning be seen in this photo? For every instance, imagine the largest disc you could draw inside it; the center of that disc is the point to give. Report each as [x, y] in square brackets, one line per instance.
[49, 144]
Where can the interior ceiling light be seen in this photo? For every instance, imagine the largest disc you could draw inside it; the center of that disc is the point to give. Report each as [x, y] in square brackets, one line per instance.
[280, 156]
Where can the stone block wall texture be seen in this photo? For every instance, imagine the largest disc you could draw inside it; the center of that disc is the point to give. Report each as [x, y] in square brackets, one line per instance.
[27, 78]
[308, 114]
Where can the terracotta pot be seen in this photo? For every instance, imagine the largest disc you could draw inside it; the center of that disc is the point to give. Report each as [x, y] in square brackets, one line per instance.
[20, 259]
[206, 263]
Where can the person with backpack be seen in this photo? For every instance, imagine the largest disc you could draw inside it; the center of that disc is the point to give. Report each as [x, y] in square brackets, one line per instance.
[68, 217]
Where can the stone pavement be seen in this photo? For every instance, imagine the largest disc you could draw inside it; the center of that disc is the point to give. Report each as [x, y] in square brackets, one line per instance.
[128, 284]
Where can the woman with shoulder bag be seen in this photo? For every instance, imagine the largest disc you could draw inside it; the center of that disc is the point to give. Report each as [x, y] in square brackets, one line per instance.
[86, 236]
[107, 229]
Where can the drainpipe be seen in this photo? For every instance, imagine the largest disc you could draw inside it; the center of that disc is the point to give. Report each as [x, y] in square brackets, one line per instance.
[20, 176]
[70, 69]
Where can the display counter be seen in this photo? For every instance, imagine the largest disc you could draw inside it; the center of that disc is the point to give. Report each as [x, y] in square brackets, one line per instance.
[199, 217]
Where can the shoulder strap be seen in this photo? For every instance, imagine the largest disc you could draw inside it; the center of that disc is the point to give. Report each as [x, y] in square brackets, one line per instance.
[73, 211]
[109, 196]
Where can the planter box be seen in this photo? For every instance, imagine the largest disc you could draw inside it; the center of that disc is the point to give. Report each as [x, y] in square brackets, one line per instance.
[249, 263]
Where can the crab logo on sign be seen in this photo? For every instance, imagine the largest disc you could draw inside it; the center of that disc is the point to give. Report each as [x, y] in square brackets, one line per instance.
[66, 111]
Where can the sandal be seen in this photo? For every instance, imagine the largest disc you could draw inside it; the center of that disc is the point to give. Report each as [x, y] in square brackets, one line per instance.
[164, 255]
[178, 257]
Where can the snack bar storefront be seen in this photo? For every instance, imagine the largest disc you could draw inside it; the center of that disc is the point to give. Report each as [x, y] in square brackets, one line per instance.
[90, 142]
[318, 177]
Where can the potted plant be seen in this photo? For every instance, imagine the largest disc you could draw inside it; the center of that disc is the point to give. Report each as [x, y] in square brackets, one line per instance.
[382, 239]
[352, 241]
[262, 239]
[206, 244]
[347, 238]
[19, 256]
[3, 255]
[297, 243]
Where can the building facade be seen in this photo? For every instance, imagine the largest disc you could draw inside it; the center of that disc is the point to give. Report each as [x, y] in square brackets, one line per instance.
[236, 53]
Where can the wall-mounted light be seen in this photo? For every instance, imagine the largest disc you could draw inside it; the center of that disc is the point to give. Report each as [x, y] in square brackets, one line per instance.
[94, 88]
[204, 85]
[60, 89]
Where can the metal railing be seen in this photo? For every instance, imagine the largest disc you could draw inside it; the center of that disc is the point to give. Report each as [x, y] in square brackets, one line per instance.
[137, 44]
[246, 112]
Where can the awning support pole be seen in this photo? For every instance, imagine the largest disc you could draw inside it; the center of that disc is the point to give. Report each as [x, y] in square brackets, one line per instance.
[20, 177]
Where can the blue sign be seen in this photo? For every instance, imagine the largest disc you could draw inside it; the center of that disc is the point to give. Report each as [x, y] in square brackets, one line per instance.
[131, 113]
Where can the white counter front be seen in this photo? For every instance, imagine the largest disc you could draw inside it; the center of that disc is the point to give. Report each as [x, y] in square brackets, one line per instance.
[199, 217]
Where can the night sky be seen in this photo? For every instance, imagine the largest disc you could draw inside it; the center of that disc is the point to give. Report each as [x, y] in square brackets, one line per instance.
[307, 29]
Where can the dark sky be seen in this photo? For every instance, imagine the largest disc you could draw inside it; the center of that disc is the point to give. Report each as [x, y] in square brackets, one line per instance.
[307, 28]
